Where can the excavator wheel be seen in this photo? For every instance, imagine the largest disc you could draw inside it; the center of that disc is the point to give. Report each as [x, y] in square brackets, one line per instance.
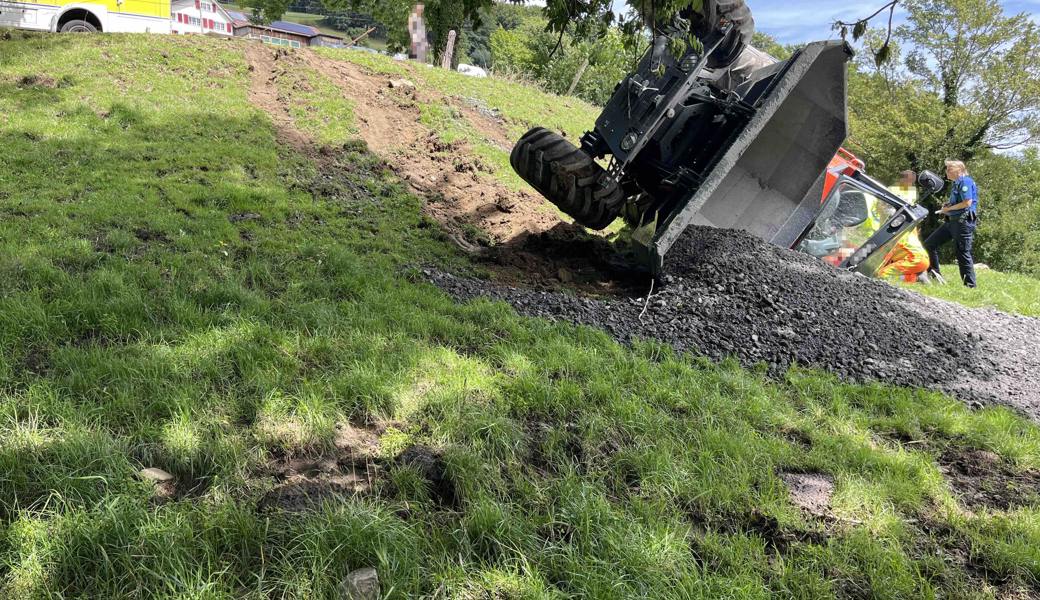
[715, 14]
[568, 177]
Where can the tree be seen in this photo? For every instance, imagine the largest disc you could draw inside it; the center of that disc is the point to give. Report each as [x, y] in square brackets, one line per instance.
[894, 125]
[444, 16]
[265, 11]
[985, 67]
[500, 16]
[768, 44]
[525, 52]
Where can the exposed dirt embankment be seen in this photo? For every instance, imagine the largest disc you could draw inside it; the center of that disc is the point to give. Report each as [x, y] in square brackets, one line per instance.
[731, 294]
[508, 231]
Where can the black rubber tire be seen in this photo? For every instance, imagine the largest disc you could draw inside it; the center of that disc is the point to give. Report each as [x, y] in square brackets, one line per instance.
[715, 14]
[78, 26]
[568, 177]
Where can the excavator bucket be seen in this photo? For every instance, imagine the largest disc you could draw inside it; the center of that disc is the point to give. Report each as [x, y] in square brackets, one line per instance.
[769, 181]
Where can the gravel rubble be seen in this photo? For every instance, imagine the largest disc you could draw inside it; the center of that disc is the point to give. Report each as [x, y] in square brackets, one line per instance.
[728, 293]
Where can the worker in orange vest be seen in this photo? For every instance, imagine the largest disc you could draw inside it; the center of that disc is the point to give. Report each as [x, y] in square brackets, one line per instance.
[908, 260]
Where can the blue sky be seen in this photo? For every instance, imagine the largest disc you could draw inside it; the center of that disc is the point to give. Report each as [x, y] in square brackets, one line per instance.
[797, 21]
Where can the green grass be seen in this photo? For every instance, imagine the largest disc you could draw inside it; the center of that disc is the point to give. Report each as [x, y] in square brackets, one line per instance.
[1009, 292]
[522, 107]
[141, 326]
[317, 107]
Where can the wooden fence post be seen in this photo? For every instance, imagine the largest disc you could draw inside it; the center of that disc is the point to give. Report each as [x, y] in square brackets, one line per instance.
[449, 51]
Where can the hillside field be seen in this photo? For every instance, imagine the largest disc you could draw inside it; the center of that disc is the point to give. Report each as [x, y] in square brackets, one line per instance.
[211, 265]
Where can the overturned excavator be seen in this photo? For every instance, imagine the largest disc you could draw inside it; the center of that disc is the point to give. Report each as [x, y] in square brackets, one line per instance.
[727, 136]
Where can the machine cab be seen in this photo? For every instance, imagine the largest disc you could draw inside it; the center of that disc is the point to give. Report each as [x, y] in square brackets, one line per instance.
[859, 221]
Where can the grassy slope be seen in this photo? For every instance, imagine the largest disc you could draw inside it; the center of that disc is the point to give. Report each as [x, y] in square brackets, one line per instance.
[520, 111]
[1004, 291]
[139, 327]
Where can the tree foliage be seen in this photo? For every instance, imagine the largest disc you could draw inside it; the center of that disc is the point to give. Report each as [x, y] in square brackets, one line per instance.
[963, 81]
[499, 16]
[768, 44]
[525, 52]
[977, 58]
[265, 11]
[1009, 234]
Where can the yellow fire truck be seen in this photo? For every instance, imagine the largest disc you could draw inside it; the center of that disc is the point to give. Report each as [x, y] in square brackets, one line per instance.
[71, 16]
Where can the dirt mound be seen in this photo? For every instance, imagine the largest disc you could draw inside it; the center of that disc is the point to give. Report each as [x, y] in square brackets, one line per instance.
[730, 294]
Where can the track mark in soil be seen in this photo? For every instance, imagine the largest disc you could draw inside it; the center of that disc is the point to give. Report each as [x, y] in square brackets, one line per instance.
[933, 538]
[981, 479]
[305, 482]
[429, 463]
[354, 466]
[486, 122]
[266, 65]
[450, 174]
[778, 538]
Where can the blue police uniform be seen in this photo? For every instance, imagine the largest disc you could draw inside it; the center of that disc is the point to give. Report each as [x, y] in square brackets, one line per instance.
[959, 227]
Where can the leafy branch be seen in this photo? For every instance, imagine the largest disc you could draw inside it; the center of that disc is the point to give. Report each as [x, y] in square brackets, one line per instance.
[859, 29]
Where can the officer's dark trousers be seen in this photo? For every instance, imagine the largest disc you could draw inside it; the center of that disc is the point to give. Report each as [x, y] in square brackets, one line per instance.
[962, 232]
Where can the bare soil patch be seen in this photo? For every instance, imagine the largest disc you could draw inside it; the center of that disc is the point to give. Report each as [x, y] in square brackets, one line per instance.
[448, 175]
[485, 120]
[352, 467]
[811, 492]
[982, 480]
[516, 235]
[266, 66]
[39, 81]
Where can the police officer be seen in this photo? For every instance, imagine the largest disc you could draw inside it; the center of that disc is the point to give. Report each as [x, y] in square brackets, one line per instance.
[961, 212]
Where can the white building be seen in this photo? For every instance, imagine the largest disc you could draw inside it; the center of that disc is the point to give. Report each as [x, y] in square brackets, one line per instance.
[201, 16]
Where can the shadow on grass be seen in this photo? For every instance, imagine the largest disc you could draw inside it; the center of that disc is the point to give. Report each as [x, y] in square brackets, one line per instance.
[178, 291]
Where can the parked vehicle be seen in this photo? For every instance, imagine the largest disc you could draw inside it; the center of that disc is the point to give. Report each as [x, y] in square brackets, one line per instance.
[129, 16]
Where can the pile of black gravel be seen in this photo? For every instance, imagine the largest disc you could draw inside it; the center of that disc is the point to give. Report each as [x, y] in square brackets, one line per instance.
[730, 294]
